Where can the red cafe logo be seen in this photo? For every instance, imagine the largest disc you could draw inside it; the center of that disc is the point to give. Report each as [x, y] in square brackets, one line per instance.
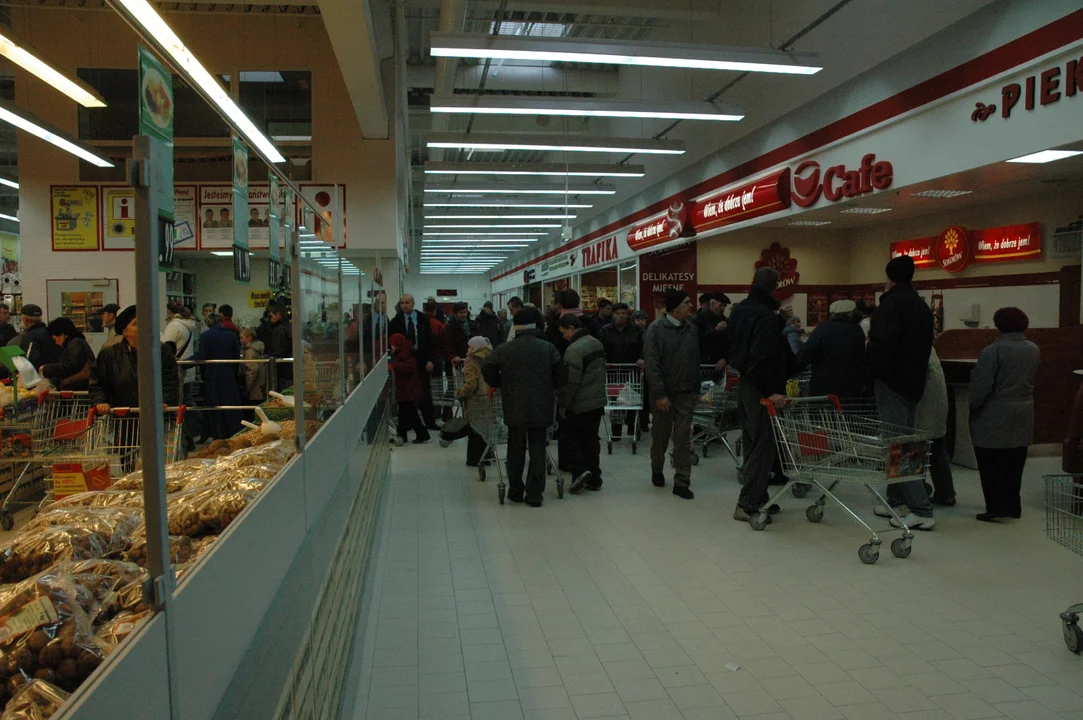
[838, 182]
[953, 249]
[600, 252]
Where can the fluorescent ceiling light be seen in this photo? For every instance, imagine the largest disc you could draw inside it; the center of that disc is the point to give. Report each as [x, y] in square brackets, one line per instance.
[583, 107]
[539, 169]
[9, 183]
[500, 217]
[525, 190]
[940, 194]
[24, 120]
[498, 227]
[37, 67]
[263, 76]
[292, 138]
[809, 223]
[222, 253]
[12, 218]
[865, 211]
[556, 143]
[553, 206]
[621, 52]
[155, 29]
[1046, 156]
[483, 234]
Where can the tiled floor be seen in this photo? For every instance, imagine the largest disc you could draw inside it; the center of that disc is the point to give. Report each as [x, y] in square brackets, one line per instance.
[632, 603]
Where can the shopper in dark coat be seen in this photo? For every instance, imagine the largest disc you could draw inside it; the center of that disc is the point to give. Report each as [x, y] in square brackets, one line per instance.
[763, 357]
[281, 345]
[1002, 413]
[527, 370]
[221, 381]
[897, 357]
[408, 389]
[35, 339]
[623, 344]
[711, 324]
[114, 378]
[836, 352]
[7, 330]
[581, 402]
[414, 325]
[488, 325]
[72, 370]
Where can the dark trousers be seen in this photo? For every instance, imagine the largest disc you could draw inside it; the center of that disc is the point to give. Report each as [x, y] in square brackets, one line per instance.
[757, 447]
[428, 413]
[584, 449]
[940, 471]
[410, 420]
[1001, 471]
[619, 418]
[475, 447]
[520, 441]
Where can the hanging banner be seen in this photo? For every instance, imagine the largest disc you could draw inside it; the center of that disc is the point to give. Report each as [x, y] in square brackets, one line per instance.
[1009, 243]
[75, 218]
[155, 97]
[242, 265]
[289, 210]
[735, 204]
[274, 213]
[665, 269]
[663, 228]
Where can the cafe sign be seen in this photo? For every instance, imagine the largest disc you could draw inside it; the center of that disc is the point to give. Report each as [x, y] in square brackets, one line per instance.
[810, 182]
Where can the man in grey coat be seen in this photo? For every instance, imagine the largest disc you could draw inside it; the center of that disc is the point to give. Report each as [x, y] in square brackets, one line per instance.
[528, 371]
[671, 352]
[581, 403]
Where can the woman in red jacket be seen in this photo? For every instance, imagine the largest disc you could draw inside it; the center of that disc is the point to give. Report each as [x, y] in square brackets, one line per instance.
[408, 390]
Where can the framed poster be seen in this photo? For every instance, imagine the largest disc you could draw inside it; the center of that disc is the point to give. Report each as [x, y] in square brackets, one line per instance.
[75, 218]
[186, 220]
[118, 218]
[215, 217]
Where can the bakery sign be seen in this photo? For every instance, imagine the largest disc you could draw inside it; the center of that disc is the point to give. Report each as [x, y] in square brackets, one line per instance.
[778, 257]
[663, 228]
[954, 249]
[599, 253]
[738, 203]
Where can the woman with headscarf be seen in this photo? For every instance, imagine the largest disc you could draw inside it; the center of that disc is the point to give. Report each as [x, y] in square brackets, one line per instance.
[1002, 413]
[474, 391]
[72, 370]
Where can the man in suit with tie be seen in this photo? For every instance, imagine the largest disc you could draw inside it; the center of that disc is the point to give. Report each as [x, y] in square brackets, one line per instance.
[415, 326]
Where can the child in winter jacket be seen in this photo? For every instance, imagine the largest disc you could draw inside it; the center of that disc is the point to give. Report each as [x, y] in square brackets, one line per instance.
[475, 395]
[408, 390]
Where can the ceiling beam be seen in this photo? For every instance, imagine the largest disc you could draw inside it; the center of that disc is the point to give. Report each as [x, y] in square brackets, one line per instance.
[692, 10]
[351, 28]
[452, 19]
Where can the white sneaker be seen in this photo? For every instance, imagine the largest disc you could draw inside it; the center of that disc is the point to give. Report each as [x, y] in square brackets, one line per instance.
[914, 522]
[881, 511]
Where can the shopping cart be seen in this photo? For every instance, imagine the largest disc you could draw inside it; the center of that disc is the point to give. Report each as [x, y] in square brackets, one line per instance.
[486, 417]
[329, 380]
[444, 388]
[716, 413]
[58, 428]
[113, 437]
[1064, 525]
[624, 394]
[822, 445]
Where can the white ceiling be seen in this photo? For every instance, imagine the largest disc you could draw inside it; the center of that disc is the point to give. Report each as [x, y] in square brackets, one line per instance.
[850, 38]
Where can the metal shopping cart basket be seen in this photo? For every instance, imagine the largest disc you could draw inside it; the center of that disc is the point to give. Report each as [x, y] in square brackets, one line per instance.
[114, 437]
[822, 445]
[58, 428]
[444, 388]
[1064, 525]
[716, 413]
[624, 394]
[486, 416]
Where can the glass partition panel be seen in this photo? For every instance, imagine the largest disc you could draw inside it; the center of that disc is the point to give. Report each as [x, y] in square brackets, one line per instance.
[318, 316]
[628, 282]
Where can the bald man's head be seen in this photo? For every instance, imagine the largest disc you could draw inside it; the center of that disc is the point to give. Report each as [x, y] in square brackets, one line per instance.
[406, 302]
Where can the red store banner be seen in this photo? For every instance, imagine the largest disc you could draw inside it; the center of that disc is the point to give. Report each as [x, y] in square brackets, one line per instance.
[1000, 244]
[769, 194]
[953, 249]
[1006, 244]
[664, 269]
[661, 229]
[922, 250]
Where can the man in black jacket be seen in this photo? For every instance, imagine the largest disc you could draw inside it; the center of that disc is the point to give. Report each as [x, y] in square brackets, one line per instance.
[487, 324]
[7, 330]
[897, 356]
[35, 340]
[763, 357]
[281, 344]
[836, 351]
[623, 343]
[114, 377]
[415, 326]
[711, 324]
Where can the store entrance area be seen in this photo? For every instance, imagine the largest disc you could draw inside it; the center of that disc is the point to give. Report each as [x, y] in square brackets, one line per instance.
[630, 603]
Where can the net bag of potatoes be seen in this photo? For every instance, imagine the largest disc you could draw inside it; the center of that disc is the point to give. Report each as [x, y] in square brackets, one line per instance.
[209, 510]
[180, 548]
[273, 454]
[31, 552]
[217, 474]
[115, 631]
[111, 519]
[101, 498]
[37, 700]
[177, 476]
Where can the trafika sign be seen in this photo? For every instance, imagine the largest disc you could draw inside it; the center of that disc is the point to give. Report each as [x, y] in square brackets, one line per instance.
[601, 252]
[838, 182]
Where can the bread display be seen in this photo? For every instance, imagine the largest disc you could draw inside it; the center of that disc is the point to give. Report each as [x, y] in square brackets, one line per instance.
[36, 550]
[209, 510]
[35, 700]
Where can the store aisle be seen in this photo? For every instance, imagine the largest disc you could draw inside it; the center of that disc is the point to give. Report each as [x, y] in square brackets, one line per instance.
[631, 603]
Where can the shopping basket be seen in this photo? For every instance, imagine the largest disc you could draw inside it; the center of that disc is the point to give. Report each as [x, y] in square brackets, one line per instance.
[444, 388]
[822, 445]
[624, 394]
[486, 416]
[1064, 525]
[114, 437]
[716, 412]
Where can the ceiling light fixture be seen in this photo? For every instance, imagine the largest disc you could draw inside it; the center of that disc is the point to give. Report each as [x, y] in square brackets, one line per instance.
[500, 217]
[292, 138]
[622, 52]
[12, 218]
[533, 235]
[940, 194]
[24, 120]
[76, 90]
[9, 183]
[499, 143]
[539, 169]
[497, 227]
[809, 223]
[1046, 156]
[525, 190]
[583, 107]
[153, 28]
[552, 206]
[865, 211]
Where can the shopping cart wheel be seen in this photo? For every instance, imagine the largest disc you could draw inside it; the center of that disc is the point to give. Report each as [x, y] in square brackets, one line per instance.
[799, 490]
[500, 491]
[758, 521]
[814, 513]
[695, 458]
[6, 521]
[609, 447]
[481, 474]
[560, 487]
[1073, 636]
[900, 547]
[868, 553]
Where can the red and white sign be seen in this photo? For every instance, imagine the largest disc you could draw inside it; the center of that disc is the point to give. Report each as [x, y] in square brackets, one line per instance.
[923, 250]
[1006, 244]
[953, 249]
[778, 257]
[599, 253]
[836, 182]
[672, 268]
[661, 229]
[743, 202]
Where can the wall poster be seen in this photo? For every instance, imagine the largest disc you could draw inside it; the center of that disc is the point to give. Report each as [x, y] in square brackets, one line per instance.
[118, 218]
[75, 218]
